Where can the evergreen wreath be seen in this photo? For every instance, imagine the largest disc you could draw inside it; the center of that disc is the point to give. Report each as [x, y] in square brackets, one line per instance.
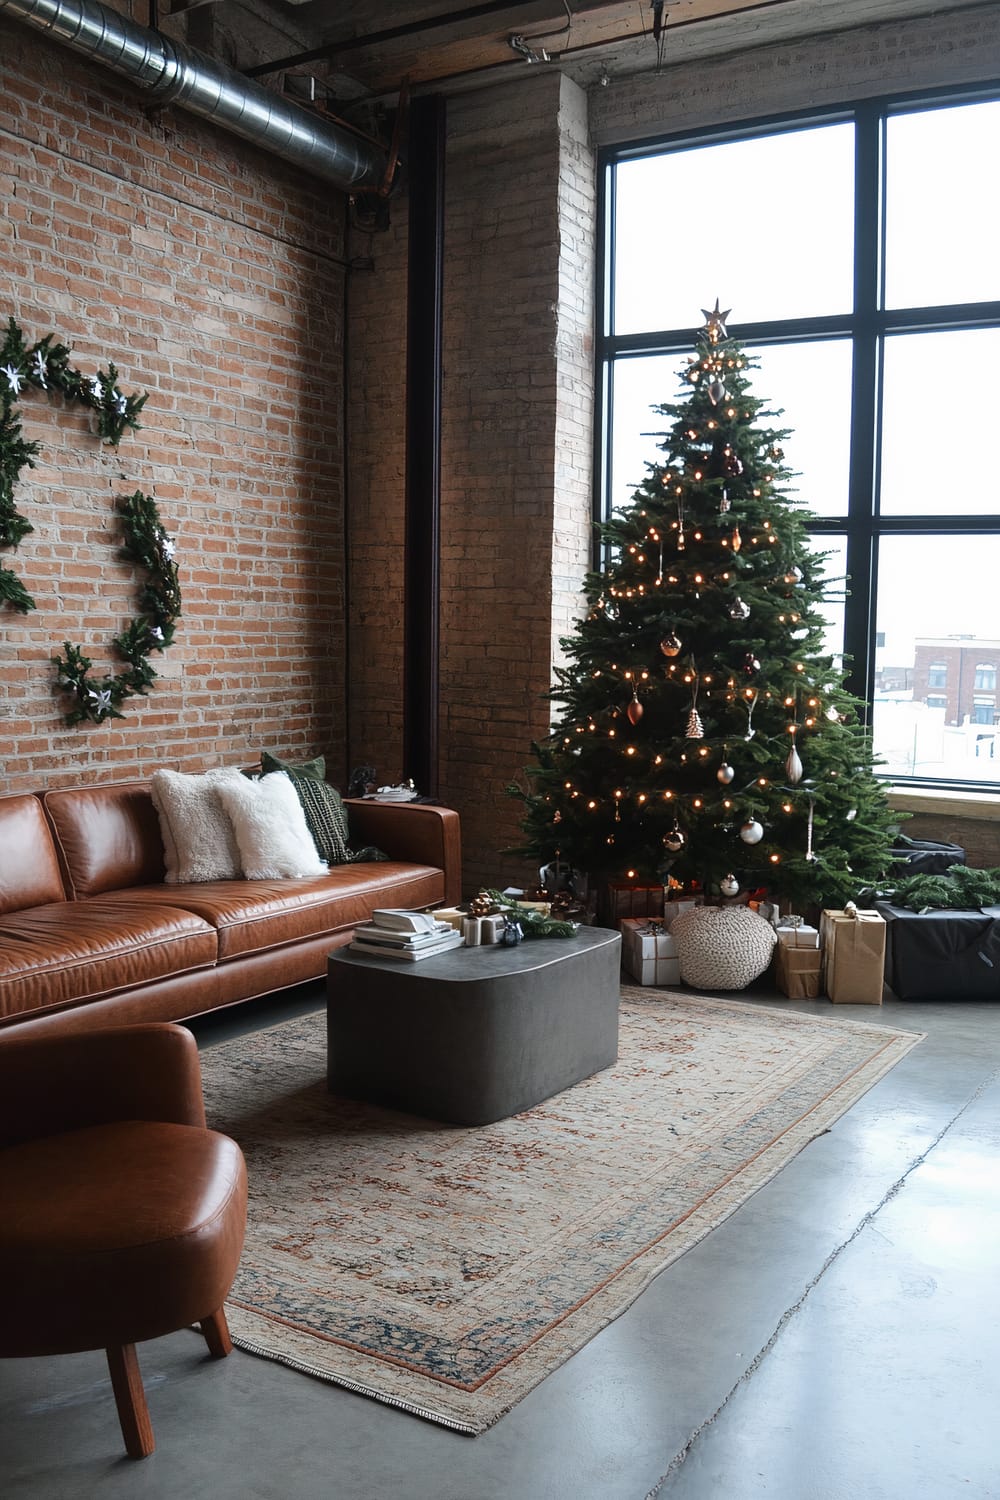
[45, 366]
[147, 544]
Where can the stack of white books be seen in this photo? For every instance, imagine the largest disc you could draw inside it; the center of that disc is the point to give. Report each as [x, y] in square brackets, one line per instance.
[407, 935]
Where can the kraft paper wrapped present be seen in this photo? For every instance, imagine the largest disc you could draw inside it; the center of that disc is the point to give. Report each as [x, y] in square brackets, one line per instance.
[649, 953]
[854, 955]
[798, 972]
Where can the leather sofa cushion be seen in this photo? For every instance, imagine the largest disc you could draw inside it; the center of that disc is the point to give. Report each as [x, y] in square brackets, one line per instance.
[253, 916]
[108, 837]
[70, 951]
[29, 865]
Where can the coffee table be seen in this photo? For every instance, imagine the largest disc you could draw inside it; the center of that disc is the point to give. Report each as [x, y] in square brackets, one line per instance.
[475, 1034]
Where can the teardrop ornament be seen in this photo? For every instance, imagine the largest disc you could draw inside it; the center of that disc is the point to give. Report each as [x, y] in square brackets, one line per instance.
[793, 766]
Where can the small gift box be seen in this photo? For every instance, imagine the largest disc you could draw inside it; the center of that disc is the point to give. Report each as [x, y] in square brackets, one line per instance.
[797, 971]
[453, 915]
[649, 953]
[674, 909]
[794, 932]
[631, 901]
[854, 953]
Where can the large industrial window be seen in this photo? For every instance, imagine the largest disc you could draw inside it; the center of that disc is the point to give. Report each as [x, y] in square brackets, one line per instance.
[860, 254]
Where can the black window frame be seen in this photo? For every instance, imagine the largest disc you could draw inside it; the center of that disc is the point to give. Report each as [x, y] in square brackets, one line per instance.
[867, 326]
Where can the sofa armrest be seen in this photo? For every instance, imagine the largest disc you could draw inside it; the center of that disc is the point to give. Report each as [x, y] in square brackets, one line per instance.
[419, 834]
[49, 1084]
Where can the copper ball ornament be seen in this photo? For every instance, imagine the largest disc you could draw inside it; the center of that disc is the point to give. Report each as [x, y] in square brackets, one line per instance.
[671, 645]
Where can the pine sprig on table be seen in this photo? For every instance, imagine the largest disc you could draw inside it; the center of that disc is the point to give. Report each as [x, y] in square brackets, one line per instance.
[533, 923]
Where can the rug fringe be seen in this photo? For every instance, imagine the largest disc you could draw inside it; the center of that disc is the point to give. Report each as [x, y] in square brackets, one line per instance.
[467, 1429]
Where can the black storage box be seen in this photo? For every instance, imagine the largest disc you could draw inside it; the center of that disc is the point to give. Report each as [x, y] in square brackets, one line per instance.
[942, 955]
[924, 856]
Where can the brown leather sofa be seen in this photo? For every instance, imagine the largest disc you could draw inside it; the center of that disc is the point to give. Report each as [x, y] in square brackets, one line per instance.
[90, 935]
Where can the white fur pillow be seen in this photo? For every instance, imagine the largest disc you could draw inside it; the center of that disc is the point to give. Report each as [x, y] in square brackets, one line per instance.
[271, 829]
[198, 838]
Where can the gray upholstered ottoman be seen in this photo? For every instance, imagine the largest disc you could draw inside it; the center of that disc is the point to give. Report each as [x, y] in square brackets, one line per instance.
[475, 1034]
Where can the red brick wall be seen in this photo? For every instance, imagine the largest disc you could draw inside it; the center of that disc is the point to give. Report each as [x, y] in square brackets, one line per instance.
[212, 275]
[516, 415]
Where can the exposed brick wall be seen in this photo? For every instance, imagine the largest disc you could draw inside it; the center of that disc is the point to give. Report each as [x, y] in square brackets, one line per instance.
[515, 450]
[978, 837]
[212, 275]
[952, 46]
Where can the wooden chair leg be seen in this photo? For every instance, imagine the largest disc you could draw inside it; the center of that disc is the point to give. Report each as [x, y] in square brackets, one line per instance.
[130, 1398]
[216, 1331]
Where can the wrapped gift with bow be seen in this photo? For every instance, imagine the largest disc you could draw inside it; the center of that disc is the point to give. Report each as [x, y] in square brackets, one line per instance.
[798, 962]
[795, 932]
[854, 955]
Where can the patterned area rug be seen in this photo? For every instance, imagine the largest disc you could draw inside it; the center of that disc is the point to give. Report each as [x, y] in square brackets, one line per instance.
[446, 1269]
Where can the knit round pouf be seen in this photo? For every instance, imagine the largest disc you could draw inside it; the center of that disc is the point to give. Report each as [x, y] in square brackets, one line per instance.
[722, 947]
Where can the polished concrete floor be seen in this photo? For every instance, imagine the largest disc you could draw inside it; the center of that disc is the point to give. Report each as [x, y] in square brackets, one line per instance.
[838, 1338]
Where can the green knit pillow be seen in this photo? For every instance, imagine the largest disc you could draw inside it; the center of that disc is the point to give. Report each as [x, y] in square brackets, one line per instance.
[315, 767]
[326, 816]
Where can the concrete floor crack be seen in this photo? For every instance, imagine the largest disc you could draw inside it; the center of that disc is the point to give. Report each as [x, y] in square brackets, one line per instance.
[680, 1457]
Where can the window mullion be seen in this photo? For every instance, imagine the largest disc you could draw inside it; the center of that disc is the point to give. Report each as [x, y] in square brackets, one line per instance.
[859, 617]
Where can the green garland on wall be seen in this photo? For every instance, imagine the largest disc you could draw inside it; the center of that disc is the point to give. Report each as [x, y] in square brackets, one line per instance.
[45, 366]
[147, 544]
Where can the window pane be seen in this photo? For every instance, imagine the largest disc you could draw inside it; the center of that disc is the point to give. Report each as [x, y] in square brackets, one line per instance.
[942, 213]
[936, 608]
[796, 260]
[956, 477]
[789, 378]
[639, 384]
[834, 569]
[811, 384]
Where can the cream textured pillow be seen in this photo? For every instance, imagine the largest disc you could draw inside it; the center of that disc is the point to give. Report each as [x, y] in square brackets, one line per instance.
[271, 830]
[198, 838]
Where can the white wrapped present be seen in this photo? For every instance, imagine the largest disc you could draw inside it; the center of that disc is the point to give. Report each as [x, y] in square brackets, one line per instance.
[674, 909]
[795, 933]
[649, 953]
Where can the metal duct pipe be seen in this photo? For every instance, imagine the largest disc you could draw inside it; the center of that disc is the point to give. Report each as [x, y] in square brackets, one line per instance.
[173, 73]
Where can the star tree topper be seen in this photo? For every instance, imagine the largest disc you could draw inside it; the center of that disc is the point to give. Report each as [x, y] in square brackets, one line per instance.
[715, 322]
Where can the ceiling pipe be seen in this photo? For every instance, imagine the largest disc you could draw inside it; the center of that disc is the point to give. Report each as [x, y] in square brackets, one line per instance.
[172, 73]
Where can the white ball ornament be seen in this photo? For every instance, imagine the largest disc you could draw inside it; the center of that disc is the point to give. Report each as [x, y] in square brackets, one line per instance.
[729, 885]
[725, 773]
[752, 832]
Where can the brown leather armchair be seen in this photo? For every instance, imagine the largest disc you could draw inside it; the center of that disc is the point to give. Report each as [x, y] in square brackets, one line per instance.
[121, 1216]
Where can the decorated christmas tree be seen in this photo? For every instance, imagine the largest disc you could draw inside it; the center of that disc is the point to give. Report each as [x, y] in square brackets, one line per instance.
[705, 737]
